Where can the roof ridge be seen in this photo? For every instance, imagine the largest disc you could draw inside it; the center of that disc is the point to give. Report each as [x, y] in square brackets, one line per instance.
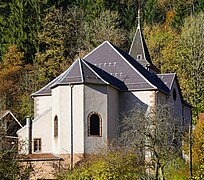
[113, 46]
[93, 71]
[95, 49]
[81, 70]
[167, 74]
[66, 72]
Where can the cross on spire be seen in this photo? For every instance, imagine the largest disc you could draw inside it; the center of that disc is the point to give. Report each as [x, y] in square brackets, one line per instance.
[138, 18]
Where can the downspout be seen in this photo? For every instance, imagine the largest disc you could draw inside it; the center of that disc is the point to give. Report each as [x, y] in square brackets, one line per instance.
[71, 152]
[29, 134]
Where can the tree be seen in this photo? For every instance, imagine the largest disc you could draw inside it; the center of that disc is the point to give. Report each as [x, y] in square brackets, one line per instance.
[156, 134]
[103, 28]
[20, 25]
[58, 42]
[10, 167]
[190, 56]
[10, 71]
[162, 43]
[197, 151]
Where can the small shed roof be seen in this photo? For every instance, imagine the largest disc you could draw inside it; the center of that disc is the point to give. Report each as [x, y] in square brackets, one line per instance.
[7, 112]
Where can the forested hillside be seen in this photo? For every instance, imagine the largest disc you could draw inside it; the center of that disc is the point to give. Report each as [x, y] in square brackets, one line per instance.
[41, 38]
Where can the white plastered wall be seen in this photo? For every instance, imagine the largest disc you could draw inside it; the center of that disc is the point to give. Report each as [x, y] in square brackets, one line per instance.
[41, 128]
[61, 107]
[95, 100]
[129, 99]
[41, 104]
[113, 112]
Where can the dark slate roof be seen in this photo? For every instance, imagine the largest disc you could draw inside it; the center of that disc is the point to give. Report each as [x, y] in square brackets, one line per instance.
[78, 72]
[139, 47]
[125, 68]
[167, 79]
[110, 79]
[107, 64]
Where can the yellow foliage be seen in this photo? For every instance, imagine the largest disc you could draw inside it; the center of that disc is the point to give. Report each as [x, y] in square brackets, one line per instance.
[198, 144]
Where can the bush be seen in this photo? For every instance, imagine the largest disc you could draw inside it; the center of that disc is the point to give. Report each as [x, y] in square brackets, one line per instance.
[117, 164]
[177, 170]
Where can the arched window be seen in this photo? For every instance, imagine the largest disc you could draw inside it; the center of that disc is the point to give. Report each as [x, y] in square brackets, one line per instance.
[55, 126]
[94, 124]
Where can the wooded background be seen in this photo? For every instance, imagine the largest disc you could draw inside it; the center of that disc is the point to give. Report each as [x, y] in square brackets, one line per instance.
[39, 39]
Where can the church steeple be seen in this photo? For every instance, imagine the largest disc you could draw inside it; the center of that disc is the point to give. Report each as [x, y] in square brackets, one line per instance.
[139, 50]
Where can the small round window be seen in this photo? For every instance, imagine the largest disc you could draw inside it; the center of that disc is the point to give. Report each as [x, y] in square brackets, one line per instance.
[174, 94]
[139, 57]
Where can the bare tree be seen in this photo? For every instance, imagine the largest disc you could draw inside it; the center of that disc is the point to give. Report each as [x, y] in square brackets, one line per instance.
[156, 134]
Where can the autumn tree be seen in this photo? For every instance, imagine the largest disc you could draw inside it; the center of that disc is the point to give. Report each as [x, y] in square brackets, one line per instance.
[58, 43]
[10, 71]
[156, 134]
[103, 28]
[190, 54]
[162, 43]
[197, 151]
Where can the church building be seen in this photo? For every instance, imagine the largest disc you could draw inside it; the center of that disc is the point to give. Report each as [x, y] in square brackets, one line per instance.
[80, 110]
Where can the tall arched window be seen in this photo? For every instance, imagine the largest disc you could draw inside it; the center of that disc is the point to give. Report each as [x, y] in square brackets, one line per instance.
[94, 124]
[55, 126]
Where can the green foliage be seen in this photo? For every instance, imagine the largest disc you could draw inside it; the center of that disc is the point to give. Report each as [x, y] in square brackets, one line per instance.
[56, 39]
[92, 8]
[197, 151]
[153, 13]
[20, 25]
[104, 28]
[162, 45]
[10, 168]
[115, 164]
[191, 62]
[185, 8]
[177, 170]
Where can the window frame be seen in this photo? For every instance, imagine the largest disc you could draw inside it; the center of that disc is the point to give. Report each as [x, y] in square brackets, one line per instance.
[56, 126]
[39, 145]
[100, 124]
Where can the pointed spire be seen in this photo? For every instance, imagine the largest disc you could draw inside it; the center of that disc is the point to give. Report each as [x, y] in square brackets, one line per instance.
[138, 49]
[138, 18]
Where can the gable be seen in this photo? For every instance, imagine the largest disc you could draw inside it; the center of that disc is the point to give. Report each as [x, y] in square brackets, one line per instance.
[126, 69]
[107, 64]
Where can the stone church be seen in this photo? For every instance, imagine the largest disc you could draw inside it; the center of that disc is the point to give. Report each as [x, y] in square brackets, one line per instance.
[80, 110]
